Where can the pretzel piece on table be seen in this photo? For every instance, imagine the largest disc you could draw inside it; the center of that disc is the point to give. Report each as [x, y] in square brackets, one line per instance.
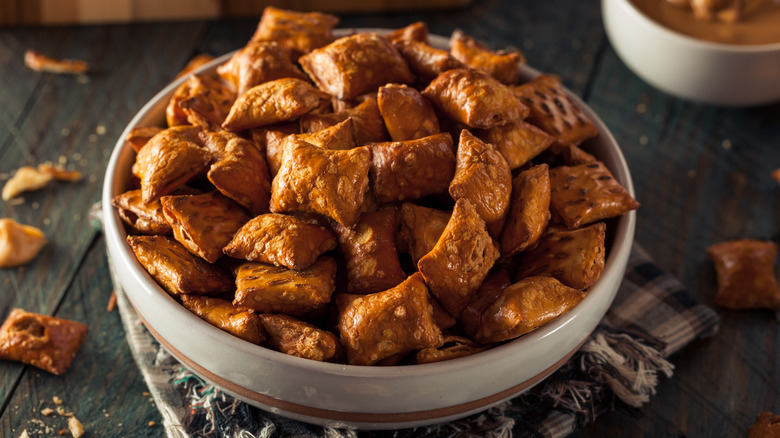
[43, 341]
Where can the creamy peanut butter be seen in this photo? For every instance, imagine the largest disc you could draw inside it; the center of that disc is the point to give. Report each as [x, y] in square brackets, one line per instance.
[761, 25]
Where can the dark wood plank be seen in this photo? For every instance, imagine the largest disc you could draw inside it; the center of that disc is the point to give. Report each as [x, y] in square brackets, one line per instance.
[103, 387]
[702, 174]
[53, 116]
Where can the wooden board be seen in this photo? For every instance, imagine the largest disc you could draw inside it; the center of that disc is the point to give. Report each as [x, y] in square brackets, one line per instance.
[56, 12]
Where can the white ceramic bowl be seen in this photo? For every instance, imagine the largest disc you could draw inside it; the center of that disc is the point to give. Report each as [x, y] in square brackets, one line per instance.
[359, 396]
[690, 68]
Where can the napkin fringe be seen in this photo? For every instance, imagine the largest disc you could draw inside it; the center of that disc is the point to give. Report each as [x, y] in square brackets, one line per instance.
[626, 364]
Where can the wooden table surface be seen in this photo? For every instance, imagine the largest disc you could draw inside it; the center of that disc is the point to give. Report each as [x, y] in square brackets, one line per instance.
[702, 174]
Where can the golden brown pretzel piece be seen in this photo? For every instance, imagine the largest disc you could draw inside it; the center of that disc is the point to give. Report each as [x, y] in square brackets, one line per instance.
[366, 118]
[380, 325]
[298, 338]
[222, 314]
[524, 307]
[767, 425]
[201, 100]
[176, 269]
[554, 111]
[43, 341]
[280, 100]
[259, 62]
[370, 253]
[355, 64]
[332, 183]
[482, 176]
[425, 61]
[421, 228]
[746, 274]
[240, 171]
[529, 210]
[574, 257]
[205, 223]
[281, 240]
[503, 65]
[475, 98]
[518, 142]
[461, 259]
[274, 289]
[407, 114]
[299, 32]
[169, 160]
[587, 193]
[408, 170]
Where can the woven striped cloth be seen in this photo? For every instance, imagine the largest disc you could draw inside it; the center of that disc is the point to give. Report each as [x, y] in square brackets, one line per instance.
[618, 367]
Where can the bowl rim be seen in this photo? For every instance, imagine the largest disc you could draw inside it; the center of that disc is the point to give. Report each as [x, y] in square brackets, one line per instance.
[613, 268]
[695, 43]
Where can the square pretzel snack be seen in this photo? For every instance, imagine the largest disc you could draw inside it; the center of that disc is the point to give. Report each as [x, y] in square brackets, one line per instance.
[280, 240]
[573, 257]
[315, 182]
[332, 183]
[587, 193]
[408, 170]
[169, 160]
[43, 341]
[298, 338]
[370, 253]
[380, 325]
[141, 217]
[240, 171]
[222, 314]
[767, 425]
[272, 102]
[259, 62]
[176, 269]
[524, 307]
[366, 119]
[274, 289]
[299, 32]
[355, 65]
[529, 210]
[461, 259]
[205, 223]
[421, 228]
[406, 113]
[425, 61]
[746, 274]
[554, 111]
[503, 65]
[483, 177]
[518, 142]
[201, 101]
[475, 98]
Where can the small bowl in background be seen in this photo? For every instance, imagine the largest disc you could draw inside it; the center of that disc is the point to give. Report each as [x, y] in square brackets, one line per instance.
[691, 68]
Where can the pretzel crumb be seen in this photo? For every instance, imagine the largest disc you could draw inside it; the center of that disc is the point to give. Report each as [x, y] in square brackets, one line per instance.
[776, 175]
[111, 302]
[75, 427]
[47, 411]
[56, 400]
[40, 62]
